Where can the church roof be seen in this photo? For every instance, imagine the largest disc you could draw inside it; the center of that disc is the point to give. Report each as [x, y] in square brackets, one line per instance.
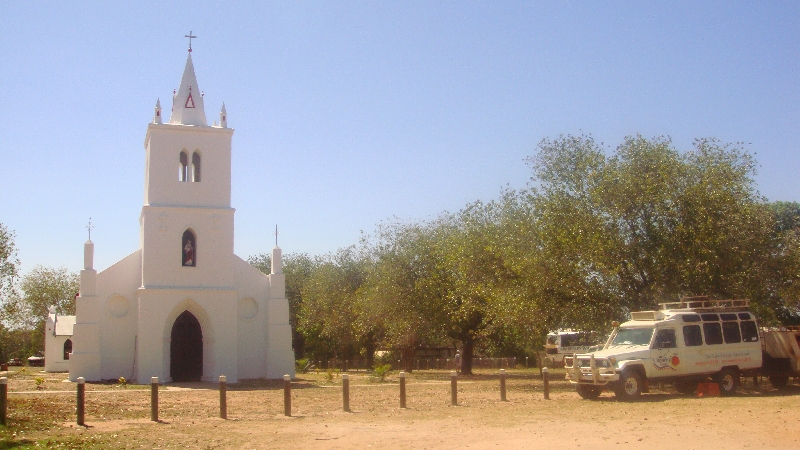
[64, 324]
[187, 103]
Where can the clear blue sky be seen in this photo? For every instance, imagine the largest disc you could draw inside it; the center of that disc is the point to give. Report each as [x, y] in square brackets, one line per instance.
[350, 113]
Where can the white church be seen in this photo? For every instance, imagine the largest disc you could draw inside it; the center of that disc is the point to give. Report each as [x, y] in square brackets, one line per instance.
[183, 307]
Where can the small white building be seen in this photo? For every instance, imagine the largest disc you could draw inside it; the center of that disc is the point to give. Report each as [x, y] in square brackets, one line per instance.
[183, 306]
[57, 341]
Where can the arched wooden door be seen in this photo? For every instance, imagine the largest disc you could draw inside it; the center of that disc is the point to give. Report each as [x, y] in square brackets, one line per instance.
[186, 349]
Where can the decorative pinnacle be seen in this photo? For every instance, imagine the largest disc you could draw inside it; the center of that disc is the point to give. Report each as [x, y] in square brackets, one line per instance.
[89, 227]
[190, 40]
[276, 235]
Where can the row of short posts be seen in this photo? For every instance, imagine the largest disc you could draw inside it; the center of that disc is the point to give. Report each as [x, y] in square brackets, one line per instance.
[287, 394]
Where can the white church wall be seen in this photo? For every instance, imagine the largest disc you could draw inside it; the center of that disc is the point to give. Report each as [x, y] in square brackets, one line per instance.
[215, 309]
[253, 287]
[163, 234]
[54, 353]
[116, 303]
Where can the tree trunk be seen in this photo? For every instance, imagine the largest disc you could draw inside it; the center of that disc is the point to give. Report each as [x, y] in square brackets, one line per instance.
[298, 343]
[407, 359]
[370, 355]
[466, 357]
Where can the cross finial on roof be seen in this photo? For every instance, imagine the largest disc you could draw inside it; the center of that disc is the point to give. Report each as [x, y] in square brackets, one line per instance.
[276, 235]
[89, 227]
[190, 40]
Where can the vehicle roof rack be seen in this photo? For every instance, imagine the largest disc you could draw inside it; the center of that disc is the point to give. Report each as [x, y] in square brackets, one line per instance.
[702, 303]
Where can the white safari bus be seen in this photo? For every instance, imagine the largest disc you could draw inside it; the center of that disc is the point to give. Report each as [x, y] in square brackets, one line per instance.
[686, 342]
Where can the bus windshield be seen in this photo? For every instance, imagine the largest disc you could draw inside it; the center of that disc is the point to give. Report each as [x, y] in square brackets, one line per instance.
[633, 336]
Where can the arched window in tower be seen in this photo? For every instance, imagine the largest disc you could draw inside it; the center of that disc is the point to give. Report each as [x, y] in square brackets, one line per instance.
[67, 349]
[183, 167]
[195, 167]
[189, 249]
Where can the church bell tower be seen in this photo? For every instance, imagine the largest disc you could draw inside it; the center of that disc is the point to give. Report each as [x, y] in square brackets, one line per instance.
[187, 219]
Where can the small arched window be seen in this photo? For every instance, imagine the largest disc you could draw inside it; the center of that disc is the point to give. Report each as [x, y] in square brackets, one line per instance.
[67, 348]
[189, 249]
[183, 167]
[195, 167]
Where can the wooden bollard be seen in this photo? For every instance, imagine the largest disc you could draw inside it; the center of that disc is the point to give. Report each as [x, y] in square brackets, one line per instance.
[503, 385]
[223, 397]
[287, 395]
[154, 399]
[346, 392]
[81, 408]
[546, 381]
[3, 399]
[402, 389]
[454, 388]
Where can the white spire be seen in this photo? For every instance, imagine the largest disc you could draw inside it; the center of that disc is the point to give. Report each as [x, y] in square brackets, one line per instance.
[157, 116]
[187, 104]
[223, 117]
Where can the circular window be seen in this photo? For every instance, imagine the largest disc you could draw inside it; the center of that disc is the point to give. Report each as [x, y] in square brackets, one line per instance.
[117, 306]
[248, 308]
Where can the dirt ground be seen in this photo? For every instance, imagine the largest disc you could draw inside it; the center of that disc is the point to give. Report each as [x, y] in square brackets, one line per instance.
[119, 417]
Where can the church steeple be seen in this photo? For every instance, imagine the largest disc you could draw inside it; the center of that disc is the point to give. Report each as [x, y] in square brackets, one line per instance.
[187, 103]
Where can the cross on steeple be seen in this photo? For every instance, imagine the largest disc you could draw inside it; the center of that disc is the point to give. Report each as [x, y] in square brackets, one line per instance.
[89, 227]
[190, 40]
[276, 235]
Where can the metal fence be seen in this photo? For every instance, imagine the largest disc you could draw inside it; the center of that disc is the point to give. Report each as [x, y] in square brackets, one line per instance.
[419, 364]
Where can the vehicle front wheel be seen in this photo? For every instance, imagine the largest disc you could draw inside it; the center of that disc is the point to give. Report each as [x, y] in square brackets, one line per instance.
[588, 392]
[728, 380]
[629, 386]
[778, 382]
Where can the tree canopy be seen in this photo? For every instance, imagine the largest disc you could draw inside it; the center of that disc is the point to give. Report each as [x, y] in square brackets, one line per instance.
[598, 233]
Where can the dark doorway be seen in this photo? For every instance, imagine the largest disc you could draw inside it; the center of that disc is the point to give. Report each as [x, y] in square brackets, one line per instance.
[186, 349]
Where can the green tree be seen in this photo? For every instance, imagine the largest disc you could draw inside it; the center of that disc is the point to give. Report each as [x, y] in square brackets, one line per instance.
[41, 288]
[787, 216]
[328, 316]
[649, 224]
[9, 265]
[401, 295]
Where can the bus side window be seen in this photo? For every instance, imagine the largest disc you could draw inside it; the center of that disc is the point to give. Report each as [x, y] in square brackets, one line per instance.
[665, 339]
[713, 333]
[730, 331]
[749, 331]
[692, 336]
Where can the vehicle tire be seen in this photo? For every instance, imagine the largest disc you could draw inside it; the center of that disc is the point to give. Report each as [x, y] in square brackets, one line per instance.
[686, 386]
[778, 381]
[588, 392]
[728, 380]
[630, 385]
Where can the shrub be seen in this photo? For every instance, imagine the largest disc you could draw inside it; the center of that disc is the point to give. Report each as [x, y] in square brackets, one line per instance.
[303, 365]
[381, 371]
[122, 382]
[39, 382]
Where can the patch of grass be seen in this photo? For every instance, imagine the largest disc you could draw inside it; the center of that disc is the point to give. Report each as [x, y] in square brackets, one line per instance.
[330, 375]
